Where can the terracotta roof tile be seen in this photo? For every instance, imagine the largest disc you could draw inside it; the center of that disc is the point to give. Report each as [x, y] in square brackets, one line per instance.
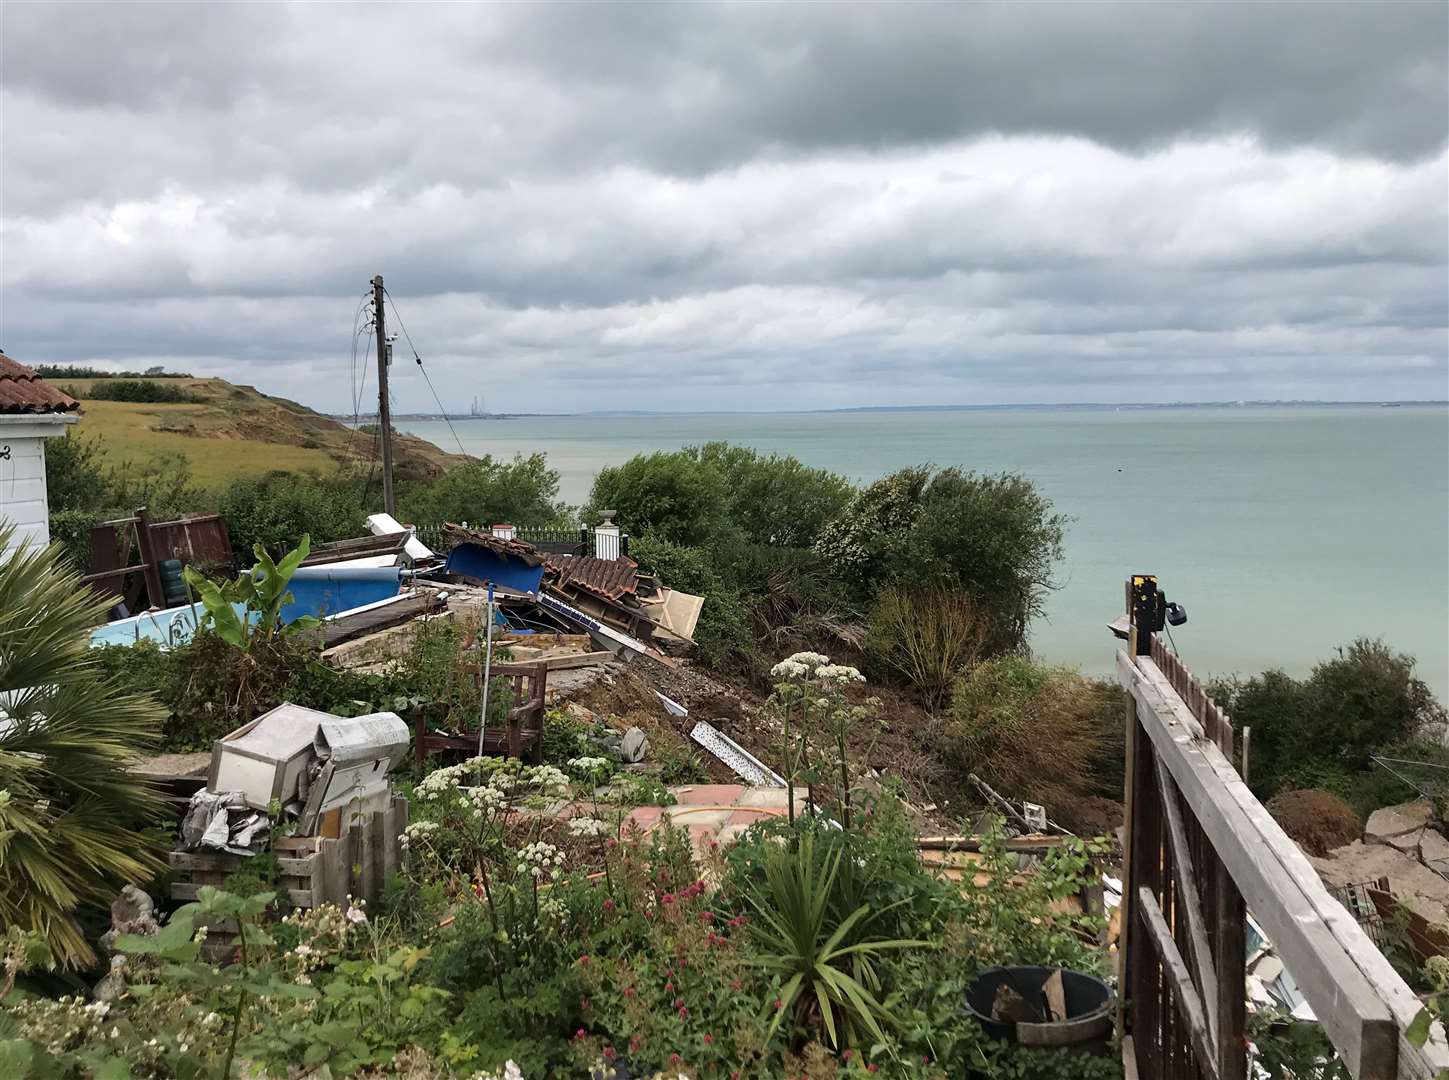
[526, 553]
[607, 578]
[23, 391]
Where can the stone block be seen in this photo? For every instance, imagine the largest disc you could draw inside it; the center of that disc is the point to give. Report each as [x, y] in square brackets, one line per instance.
[1392, 821]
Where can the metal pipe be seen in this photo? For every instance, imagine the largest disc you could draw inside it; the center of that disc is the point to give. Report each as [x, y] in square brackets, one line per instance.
[487, 669]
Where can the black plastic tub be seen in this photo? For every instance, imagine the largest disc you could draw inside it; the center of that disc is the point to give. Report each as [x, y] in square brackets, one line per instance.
[1087, 1028]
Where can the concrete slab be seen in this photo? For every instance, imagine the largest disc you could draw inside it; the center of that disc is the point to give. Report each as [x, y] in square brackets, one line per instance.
[696, 818]
[643, 817]
[708, 794]
[1417, 887]
[1433, 847]
[750, 815]
[1391, 821]
[757, 796]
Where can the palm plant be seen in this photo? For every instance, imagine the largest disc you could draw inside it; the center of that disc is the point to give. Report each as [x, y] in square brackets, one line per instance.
[828, 970]
[70, 814]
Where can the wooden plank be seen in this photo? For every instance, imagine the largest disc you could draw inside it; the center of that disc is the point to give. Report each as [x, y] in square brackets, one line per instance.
[1231, 956]
[577, 660]
[1354, 1017]
[1125, 912]
[388, 843]
[1189, 903]
[331, 857]
[1414, 1063]
[1129, 1059]
[367, 887]
[1178, 979]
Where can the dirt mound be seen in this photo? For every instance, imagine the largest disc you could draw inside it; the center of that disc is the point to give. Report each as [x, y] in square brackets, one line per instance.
[1318, 821]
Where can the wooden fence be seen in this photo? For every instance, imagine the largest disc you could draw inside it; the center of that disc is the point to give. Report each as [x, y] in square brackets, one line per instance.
[1201, 851]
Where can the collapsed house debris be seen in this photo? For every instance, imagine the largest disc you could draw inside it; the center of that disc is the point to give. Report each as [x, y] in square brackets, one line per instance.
[308, 785]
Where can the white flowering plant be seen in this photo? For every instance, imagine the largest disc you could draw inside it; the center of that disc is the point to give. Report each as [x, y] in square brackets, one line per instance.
[810, 700]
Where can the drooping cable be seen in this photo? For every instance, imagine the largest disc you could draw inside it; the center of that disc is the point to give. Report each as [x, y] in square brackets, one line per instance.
[441, 408]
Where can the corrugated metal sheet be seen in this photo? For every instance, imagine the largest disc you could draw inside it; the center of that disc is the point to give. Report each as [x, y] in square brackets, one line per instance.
[23, 391]
[609, 579]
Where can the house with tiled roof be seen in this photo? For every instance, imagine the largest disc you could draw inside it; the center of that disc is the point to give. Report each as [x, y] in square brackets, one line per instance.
[31, 411]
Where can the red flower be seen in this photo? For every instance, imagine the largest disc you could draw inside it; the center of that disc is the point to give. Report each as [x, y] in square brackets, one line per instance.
[610, 1053]
[679, 1003]
[669, 988]
[635, 1041]
[706, 917]
[675, 1059]
[584, 960]
[629, 991]
[708, 1039]
[735, 984]
[872, 1067]
[683, 1013]
[847, 1055]
[779, 1004]
[667, 898]
[608, 905]
[580, 1034]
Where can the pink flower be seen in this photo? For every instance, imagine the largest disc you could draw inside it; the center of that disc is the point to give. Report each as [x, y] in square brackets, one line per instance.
[667, 898]
[679, 1003]
[608, 905]
[779, 1004]
[683, 1013]
[708, 1039]
[610, 1053]
[584, 960]
[580, 1034]
[706, 917]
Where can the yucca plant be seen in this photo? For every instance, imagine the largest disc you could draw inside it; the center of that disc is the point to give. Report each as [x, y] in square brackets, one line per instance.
[827, 964]
[71, 816]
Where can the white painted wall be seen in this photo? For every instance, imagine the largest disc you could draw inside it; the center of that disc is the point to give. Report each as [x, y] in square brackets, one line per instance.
[23, 501]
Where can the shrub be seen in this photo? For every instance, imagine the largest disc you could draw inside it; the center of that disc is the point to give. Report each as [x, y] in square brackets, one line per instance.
[147, 391]
[723, 632]
[926, 635]
[1032, 732]
[75, 473]
[1318, 821]
[1325, 730]
[995, 536]
[483, 491]
[674, 496]
[277, 509]
[775, 500]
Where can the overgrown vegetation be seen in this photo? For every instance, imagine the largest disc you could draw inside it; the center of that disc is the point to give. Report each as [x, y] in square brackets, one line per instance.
[144, 390]
[1324, 731]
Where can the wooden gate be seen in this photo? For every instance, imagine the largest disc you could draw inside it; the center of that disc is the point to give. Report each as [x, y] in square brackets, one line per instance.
[1198, 847]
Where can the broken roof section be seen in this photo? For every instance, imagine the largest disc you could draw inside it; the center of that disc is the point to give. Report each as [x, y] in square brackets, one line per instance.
[608, 579]
[22, 391]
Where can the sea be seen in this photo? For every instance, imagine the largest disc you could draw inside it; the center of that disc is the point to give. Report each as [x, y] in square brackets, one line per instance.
[1285, 531]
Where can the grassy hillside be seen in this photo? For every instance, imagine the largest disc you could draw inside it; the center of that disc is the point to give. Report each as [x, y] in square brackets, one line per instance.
[227, 431]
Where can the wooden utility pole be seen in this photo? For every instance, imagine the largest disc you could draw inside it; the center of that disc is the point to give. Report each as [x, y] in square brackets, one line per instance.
[384, 411]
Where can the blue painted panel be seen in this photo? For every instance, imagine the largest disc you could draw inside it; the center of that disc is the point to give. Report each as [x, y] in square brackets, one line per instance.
[321, 590]
[477, 562]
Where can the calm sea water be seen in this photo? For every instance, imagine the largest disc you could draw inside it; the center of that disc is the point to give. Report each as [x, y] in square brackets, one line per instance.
[1285, 531]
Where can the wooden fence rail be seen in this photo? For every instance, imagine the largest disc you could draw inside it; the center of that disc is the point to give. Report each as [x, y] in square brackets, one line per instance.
[1201, 853]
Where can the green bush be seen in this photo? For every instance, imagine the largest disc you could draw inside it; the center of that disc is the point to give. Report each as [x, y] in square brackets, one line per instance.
[1323, 731]
[278, 509]
[147, 391]
[523, 491]
[995, 536]
[928, 636]
[775, 500]
[673, 496]
[723, 632]
[75, 473]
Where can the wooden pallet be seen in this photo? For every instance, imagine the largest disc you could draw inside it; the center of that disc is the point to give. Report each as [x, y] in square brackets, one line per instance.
[312, 870]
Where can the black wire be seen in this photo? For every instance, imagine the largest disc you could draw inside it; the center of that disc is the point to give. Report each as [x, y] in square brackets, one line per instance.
[1169, 638]
[441, 408]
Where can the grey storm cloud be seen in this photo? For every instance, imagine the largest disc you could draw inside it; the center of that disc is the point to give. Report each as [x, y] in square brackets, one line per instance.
[841, 202]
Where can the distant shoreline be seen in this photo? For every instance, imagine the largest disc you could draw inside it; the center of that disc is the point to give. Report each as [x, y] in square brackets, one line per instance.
[1096, 406]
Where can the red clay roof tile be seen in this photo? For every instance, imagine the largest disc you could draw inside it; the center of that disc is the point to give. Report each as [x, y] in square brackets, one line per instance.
[23, 391]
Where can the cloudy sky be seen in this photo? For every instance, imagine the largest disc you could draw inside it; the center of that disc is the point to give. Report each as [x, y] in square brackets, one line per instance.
[684, 206]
